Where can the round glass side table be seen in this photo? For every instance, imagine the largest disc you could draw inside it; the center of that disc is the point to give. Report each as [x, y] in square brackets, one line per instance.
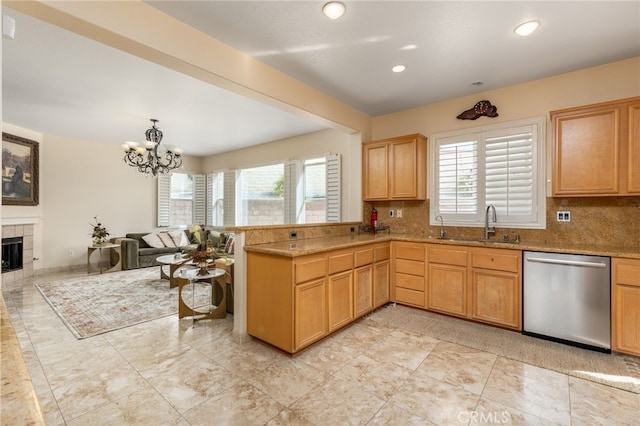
[212, 277]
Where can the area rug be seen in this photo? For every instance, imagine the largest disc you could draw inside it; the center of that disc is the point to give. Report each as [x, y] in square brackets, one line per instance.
[96, 304]
[615, 370]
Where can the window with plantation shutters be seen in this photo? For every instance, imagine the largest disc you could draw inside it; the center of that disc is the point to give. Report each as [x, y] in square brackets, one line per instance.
[502, 165]
[229, 211]
[199, 200]
[509, 174]
[333, 183]
[164, 200]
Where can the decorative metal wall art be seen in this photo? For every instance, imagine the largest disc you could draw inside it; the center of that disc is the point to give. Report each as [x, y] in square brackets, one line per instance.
[481, 108]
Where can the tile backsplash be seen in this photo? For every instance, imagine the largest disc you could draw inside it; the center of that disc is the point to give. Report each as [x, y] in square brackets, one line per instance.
[609, 221]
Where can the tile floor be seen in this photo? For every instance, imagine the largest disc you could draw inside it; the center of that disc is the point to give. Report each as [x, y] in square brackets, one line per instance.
[165, 372]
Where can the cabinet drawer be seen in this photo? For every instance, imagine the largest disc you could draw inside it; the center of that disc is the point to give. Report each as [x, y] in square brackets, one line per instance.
[381, 253]
[410, 281]
[496, 260]
[309, 269]
[448, 256]
[409, 251]
[626, 271]
[410, 267]
[410, 297]
[340, 262]
[363, 257]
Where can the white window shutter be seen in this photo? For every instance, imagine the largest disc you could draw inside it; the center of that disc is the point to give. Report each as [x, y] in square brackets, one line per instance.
[457, 183]
[509, 174]
[229, 208]
[333, 188]
[199, 199]
[292, 195]
[210, 200]
[164, 199]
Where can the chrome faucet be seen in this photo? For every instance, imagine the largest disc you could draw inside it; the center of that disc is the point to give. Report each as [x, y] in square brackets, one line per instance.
[488, 230]
[443, 233]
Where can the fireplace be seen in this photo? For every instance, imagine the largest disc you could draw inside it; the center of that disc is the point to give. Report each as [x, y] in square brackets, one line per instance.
[17, 249]
[12, 254]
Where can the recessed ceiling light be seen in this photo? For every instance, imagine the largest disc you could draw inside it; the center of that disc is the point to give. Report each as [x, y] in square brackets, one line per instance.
[527, 28]
[334, 9]
[409, 47]
[398, 68]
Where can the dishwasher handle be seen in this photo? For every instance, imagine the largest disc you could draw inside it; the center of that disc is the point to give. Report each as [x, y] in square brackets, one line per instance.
[566, 262]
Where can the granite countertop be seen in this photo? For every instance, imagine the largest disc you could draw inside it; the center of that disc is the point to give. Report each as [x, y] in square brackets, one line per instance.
[296, 248]
[20, 403]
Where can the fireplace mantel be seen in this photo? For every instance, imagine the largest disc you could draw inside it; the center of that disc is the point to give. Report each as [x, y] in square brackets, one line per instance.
[19, 220]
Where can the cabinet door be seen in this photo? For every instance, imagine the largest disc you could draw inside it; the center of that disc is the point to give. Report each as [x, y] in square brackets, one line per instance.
[340, 289]
[625, 305]
[633, 180]
[380, 283]
[496, 298]
[586, 150]
[310, 313]
[447, 289]
[375, 171]
[627, 319]
[363, 279]
[407, 177]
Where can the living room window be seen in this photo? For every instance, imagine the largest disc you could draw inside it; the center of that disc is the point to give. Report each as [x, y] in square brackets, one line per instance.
[260, 195]
[181, 199]
[298, 191]
[499, 164]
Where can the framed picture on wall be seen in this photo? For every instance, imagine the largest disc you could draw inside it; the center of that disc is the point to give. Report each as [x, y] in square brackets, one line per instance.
[19, 171]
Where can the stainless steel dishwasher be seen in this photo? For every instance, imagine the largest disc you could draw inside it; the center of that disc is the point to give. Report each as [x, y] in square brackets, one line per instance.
[567, 298]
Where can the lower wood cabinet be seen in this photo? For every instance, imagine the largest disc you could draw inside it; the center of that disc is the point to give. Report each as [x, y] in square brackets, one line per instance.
[447, 289]
[408, 273]
[294, 302]
[310, 317]
[363, 280]
[381, 284]
[340, 289]
[447, 279]
[496, 287]
[477, 283]
[625, 305]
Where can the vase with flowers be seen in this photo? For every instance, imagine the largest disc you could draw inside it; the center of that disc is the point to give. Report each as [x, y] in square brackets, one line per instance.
[99, 235]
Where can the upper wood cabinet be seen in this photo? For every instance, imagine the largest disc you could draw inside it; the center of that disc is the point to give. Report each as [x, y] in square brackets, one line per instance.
[395, 168]
[596, 149]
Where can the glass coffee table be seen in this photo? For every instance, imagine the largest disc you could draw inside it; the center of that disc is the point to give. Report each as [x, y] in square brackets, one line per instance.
[175, 261]
[213, 277]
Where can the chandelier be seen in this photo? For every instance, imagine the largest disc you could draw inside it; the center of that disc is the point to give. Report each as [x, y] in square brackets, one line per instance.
[150, 158]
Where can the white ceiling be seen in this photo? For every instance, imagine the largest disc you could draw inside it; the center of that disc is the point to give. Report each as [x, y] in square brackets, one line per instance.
[59, 83]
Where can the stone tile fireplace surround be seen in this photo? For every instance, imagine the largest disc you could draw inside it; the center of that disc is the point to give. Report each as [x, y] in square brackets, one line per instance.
[26, 232]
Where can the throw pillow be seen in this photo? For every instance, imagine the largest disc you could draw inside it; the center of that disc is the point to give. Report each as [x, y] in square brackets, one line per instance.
[179, 238]
[166, 239]
[153, 240]
[194, 232]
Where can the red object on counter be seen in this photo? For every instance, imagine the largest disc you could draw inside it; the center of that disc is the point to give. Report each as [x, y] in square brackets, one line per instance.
[374, 220]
